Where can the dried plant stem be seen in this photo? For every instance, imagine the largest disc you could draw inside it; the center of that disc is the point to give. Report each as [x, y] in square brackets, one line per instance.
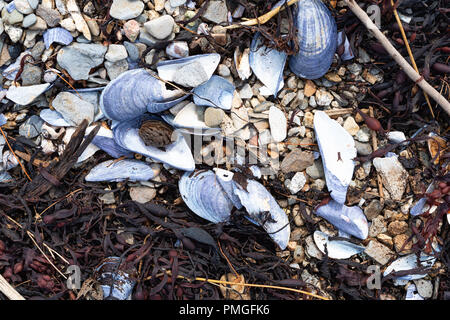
[262, 19]
[212, 281]
[410, 72]
[8, 290]
[375, 147]
[12, 151]
[408, 48]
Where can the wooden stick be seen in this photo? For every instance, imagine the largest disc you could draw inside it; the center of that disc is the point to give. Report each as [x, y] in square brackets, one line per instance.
[410, 72]
[8, 290]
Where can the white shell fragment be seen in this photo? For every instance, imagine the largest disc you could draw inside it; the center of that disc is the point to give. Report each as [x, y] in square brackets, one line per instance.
[133, 170]
[337, 149]
[409, 262]
[350, 220]
[337, 249]
[58, 35]
[25, 95]
[242, 63]
[268, 65]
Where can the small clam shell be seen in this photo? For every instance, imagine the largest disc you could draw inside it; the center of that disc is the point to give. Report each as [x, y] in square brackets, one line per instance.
[110, 146]
[351, 220]
[54, 118]
[177, 154]
[133, 170]
[217, 92]
[261, 206]
[409, 262]
[135, 92]
[317, 39]
[178, 49]
[337, 249]
[58, 35]
[337, 149]
[267, 64]
[203, 194]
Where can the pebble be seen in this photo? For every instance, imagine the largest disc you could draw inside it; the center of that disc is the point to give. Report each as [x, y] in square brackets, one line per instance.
[39, 25]
[393, 175]
[72, 108]
[214, 117]
[373, 209]
[177, 3]
[116, 52]
[311, 248]
[379, 252]
[31, 75]
[191, 75]
[310, 88]
[297, 160]
[424, 288]
[246, 92]
[278, 124]
[14, 33]
[177, 49]
[12, 17]
[399, 243]
[126, 9]
[51, 16]
[108, 198]
[25, 95]
[397, 227]
[88, 56]
[29, 20]
[363, 134]
[142, 194]
[396, 136]
[32, 127]
[131, 28]
[378, 226]
[224, 71]
[115, 69]
[161, 27]
[315, 171]
[68, 24]
[386, 240]
[363, 149]
[323, 98]
[296, 183]
[288, 97]
[354, 68]
[351, 126]
[216, 12]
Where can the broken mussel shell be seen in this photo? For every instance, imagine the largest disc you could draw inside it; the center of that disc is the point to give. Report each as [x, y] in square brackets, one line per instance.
[217, 92]
[212, 196]
[135, 92]
[116, 283]
[267, 64]
[317, 39]
[336, 249]
[120, 170]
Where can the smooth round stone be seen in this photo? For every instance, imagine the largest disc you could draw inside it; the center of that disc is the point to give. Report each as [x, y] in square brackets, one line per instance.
[161, 27]
[116, 52]
[23, 6]
[131, 29]
[13, 17]
[33, 3]
[178, 49]
[29, 20]
[278, 124]
[126, 9]
[214, 117]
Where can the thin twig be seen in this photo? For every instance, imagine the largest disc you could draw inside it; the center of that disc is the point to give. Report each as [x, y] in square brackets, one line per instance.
[8, 290]
[12, 151]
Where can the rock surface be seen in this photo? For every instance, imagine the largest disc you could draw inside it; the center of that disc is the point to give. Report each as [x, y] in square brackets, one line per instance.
[393, 174]
[88, 56]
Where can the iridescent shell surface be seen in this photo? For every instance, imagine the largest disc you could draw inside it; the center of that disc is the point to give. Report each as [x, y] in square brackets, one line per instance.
[135, 92]
[317, 39]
